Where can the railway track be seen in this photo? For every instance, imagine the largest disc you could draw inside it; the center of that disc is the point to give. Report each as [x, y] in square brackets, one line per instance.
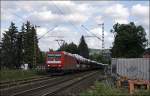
[66, 85]
[77, 88]
[39, 86]
[52, 88]
[9, 81]
[9, 84]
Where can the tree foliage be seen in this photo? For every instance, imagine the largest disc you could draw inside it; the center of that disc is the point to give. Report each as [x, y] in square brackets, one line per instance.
[83, 48]
[63, 47]
[99, 58]
[129, 40]
[31, 49]
[9, 48]
[20, 47]
[71, 48]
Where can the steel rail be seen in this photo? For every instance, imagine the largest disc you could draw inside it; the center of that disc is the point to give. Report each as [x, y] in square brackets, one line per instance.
[38, 91]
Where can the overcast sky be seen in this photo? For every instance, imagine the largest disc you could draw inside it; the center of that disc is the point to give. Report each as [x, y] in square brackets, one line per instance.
[68, 16]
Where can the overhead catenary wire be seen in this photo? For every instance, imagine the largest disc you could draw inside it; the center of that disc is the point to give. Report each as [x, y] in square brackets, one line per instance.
[48, 32]
[94, 35]
[75, 25]
[62, 13]
[17, 15]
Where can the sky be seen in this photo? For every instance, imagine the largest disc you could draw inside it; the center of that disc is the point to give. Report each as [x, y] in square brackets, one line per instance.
[63, 20]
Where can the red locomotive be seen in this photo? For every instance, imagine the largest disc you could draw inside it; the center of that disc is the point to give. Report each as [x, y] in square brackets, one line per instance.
[66, 62]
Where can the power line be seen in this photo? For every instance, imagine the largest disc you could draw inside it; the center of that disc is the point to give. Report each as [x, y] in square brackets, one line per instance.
[16, 15]
[94, 35]
[62, 13]
[48, 32]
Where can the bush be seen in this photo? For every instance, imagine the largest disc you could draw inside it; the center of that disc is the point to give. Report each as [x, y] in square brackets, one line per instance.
[101, 89]
[142, 93]
[15, 74]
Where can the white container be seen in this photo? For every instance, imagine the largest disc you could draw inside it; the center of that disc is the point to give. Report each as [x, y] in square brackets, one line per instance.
[24, 66]
[133, 68]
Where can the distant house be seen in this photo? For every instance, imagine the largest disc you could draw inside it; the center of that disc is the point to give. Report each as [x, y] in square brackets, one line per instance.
[147, 53]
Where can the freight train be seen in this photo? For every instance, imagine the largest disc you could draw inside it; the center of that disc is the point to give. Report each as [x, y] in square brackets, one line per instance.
[64, 62]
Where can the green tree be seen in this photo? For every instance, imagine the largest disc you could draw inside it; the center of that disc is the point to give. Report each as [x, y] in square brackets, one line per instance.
[71, 48]
[51, 49]
[28, 45]
[129, 40]
[22, 37]
[31, 49]
[41, 58]
[9, 49]
[1, 54]
[63, 47]
[83, 48]
[19, 52]
[20, 47]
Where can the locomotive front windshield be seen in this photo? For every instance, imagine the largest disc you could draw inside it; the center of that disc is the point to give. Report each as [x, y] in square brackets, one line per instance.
[54, 58]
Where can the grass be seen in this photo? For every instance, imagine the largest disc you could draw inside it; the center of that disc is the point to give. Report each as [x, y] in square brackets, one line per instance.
[101, 89]
[8, 75]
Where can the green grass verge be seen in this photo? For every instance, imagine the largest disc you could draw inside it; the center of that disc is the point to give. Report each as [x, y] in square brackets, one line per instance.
[100, 89]
[8, 75]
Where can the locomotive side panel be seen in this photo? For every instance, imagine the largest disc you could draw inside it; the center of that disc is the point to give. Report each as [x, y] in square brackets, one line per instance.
[64, 61]
[69, 62]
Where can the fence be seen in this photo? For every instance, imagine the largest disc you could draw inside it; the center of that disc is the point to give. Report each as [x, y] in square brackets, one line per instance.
[133, 68]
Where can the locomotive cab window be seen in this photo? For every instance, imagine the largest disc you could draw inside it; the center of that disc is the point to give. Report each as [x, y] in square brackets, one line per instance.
[54, 55]
[54, 58]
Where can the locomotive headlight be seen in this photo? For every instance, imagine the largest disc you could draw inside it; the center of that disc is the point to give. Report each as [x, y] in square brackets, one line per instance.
[59, 65]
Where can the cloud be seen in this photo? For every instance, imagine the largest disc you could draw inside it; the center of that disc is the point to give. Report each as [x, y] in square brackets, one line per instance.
[6, 15]
[57, 13]
[99, 19]
[141, 13]
[2, 32]
[96, 3]
[43, 17]
[118, 13]
[140, 10]
[69, 15]
[41, 31]
[64, 33]
[69, 36]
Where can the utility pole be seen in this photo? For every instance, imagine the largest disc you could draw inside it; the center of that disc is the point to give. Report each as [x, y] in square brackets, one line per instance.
[103, 43]
[0, 40]
[34, 56]
[0, 37]
[149, 40]
[35, 53]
